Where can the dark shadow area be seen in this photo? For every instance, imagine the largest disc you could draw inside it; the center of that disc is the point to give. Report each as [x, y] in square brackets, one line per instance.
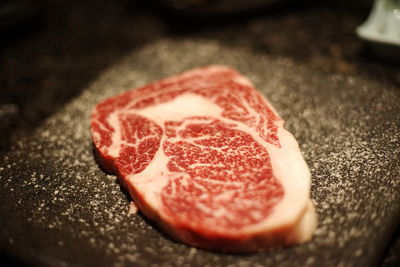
[320, 35]
[49, 58]
[11, 257]
[392, 257]
[385, 67]
[187, 20]
[19, 17]
[7, 260]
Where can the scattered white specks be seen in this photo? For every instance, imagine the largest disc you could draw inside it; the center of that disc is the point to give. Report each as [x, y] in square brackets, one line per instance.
[130, 257]
[347, 128]
[310, 261]
[192, 252]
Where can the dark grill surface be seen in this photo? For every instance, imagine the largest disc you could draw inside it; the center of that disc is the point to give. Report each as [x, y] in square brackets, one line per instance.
[340, 101]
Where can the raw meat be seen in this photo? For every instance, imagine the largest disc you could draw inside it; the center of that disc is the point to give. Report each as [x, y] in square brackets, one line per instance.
[206, 156]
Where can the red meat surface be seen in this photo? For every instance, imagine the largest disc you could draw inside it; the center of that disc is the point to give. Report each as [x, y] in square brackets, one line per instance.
[206, 157]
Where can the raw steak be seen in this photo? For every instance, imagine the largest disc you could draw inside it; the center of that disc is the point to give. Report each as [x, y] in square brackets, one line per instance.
[206, 156]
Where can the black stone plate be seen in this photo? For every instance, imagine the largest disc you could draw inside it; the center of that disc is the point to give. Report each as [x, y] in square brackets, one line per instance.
[59, 208]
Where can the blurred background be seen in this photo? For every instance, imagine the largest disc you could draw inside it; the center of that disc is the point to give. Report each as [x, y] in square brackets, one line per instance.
[50, 50]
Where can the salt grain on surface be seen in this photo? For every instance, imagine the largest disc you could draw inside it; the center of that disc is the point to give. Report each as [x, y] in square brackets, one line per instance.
[133, 208]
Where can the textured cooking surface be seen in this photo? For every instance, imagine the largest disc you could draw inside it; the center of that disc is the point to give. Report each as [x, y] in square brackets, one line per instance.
[348, 134]
[58, 206]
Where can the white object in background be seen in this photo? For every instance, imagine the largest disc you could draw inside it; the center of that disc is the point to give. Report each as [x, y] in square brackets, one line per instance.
[382, 27]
